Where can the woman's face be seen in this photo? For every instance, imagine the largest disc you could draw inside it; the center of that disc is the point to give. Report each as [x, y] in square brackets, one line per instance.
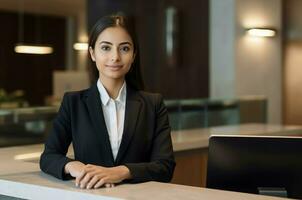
[113, 53]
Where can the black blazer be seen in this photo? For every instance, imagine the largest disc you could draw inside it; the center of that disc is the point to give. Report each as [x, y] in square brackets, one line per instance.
[146, 147]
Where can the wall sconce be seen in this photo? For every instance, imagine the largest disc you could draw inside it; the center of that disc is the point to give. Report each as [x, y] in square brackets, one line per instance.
[80, 46]
[21, 47]
[261, 32]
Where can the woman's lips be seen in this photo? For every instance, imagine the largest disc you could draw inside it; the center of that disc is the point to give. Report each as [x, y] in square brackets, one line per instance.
[114, 67]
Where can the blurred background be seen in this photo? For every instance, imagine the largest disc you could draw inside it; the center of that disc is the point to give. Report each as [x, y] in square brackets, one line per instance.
[198, 54]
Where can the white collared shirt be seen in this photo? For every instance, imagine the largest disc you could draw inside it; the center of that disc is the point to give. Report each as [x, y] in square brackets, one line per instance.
[114, 114]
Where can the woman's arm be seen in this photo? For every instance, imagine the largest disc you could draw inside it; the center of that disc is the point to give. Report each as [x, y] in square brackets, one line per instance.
[162, 163]
[53, 159]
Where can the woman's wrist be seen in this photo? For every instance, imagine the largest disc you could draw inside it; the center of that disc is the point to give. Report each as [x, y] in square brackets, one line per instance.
[68, 165]
[66, 168]
[125, 172]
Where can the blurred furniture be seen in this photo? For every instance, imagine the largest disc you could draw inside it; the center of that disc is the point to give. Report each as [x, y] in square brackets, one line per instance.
[64, 81]
[14, 99]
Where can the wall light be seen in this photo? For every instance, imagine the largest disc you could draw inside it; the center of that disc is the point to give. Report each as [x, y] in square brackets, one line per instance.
[81, 46]
[33, 49]
[261, 32]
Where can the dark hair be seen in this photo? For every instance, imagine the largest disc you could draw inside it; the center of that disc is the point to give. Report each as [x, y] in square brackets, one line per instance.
[133, 77]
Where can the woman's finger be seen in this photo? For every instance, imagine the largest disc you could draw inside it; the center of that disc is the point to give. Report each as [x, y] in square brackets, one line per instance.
[92, 182]
[79, 178]
[100, 183]
[84, 182]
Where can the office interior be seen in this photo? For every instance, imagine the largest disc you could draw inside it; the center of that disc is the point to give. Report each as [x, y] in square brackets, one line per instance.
[217, 77]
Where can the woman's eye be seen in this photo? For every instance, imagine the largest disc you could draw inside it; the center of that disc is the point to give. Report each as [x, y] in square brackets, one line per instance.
[125, 49]
[105, 48]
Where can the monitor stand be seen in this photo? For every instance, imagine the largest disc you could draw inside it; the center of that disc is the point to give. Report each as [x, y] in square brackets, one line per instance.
[273, 191]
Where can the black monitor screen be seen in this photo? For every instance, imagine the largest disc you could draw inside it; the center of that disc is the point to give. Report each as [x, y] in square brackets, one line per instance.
[247, 163]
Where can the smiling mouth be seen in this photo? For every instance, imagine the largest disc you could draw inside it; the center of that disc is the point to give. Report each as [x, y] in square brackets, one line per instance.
[114, 67]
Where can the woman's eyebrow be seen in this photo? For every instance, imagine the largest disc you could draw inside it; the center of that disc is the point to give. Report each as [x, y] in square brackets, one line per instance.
[122, 43]
[106, 42]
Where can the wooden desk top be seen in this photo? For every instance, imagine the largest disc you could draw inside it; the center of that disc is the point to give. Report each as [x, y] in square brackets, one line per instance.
[25, 180]
[199, 138]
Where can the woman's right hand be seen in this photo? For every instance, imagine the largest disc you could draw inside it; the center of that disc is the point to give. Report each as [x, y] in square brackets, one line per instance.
[74, 168]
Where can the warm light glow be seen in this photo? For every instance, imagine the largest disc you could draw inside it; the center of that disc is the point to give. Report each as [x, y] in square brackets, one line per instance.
[27, 156]
[81, 46]
[33, 49]
[261, 32]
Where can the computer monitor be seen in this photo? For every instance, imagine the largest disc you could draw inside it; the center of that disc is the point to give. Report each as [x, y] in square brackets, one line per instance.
[256, 164]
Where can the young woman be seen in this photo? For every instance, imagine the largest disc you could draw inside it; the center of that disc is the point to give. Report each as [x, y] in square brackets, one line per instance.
[119, 133]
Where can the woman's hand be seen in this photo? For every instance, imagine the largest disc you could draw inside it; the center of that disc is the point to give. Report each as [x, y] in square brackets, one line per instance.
[74, 168]
[93, 176]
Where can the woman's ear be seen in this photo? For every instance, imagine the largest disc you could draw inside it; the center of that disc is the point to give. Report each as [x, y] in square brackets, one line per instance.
[91, 51]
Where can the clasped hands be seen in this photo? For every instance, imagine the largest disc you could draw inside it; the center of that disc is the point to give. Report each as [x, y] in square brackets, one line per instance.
[94, 176]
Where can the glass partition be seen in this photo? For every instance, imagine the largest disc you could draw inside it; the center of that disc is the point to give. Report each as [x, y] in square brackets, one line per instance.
[19, 126]
[202, 113]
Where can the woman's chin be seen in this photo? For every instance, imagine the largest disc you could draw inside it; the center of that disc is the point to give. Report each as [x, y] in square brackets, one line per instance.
[116, 76]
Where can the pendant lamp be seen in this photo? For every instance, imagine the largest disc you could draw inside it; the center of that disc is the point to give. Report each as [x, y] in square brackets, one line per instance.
[28, 48]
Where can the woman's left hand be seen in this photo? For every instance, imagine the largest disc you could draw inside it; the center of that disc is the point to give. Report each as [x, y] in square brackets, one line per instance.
[94, 176]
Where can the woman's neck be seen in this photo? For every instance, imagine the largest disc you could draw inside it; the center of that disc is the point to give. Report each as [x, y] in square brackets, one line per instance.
[112, 86]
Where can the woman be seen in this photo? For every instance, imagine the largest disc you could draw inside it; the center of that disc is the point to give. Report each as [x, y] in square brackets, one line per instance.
[118, 132]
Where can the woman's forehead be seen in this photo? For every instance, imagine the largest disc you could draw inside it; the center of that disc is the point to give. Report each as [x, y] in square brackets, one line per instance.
[114, 35]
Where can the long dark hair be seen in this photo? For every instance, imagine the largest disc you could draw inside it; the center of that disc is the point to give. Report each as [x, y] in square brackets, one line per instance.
[133, 77]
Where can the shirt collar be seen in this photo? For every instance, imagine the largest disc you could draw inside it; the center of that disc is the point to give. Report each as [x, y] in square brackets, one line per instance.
[105, 98]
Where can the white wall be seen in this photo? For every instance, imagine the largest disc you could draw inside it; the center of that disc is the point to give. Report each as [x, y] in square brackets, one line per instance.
[257, 61]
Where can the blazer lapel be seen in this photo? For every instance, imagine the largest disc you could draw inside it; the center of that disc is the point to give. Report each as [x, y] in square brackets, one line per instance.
[94, 106]
[132, 110]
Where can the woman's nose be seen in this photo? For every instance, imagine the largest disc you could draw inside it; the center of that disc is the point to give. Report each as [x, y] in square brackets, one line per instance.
[115, 55]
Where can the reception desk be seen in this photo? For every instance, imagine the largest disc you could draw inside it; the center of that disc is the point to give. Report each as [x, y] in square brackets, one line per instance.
[21, 177]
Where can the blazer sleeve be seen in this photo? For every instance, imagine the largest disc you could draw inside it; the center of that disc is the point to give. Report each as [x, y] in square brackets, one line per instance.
[162, 162]
[53, 159]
